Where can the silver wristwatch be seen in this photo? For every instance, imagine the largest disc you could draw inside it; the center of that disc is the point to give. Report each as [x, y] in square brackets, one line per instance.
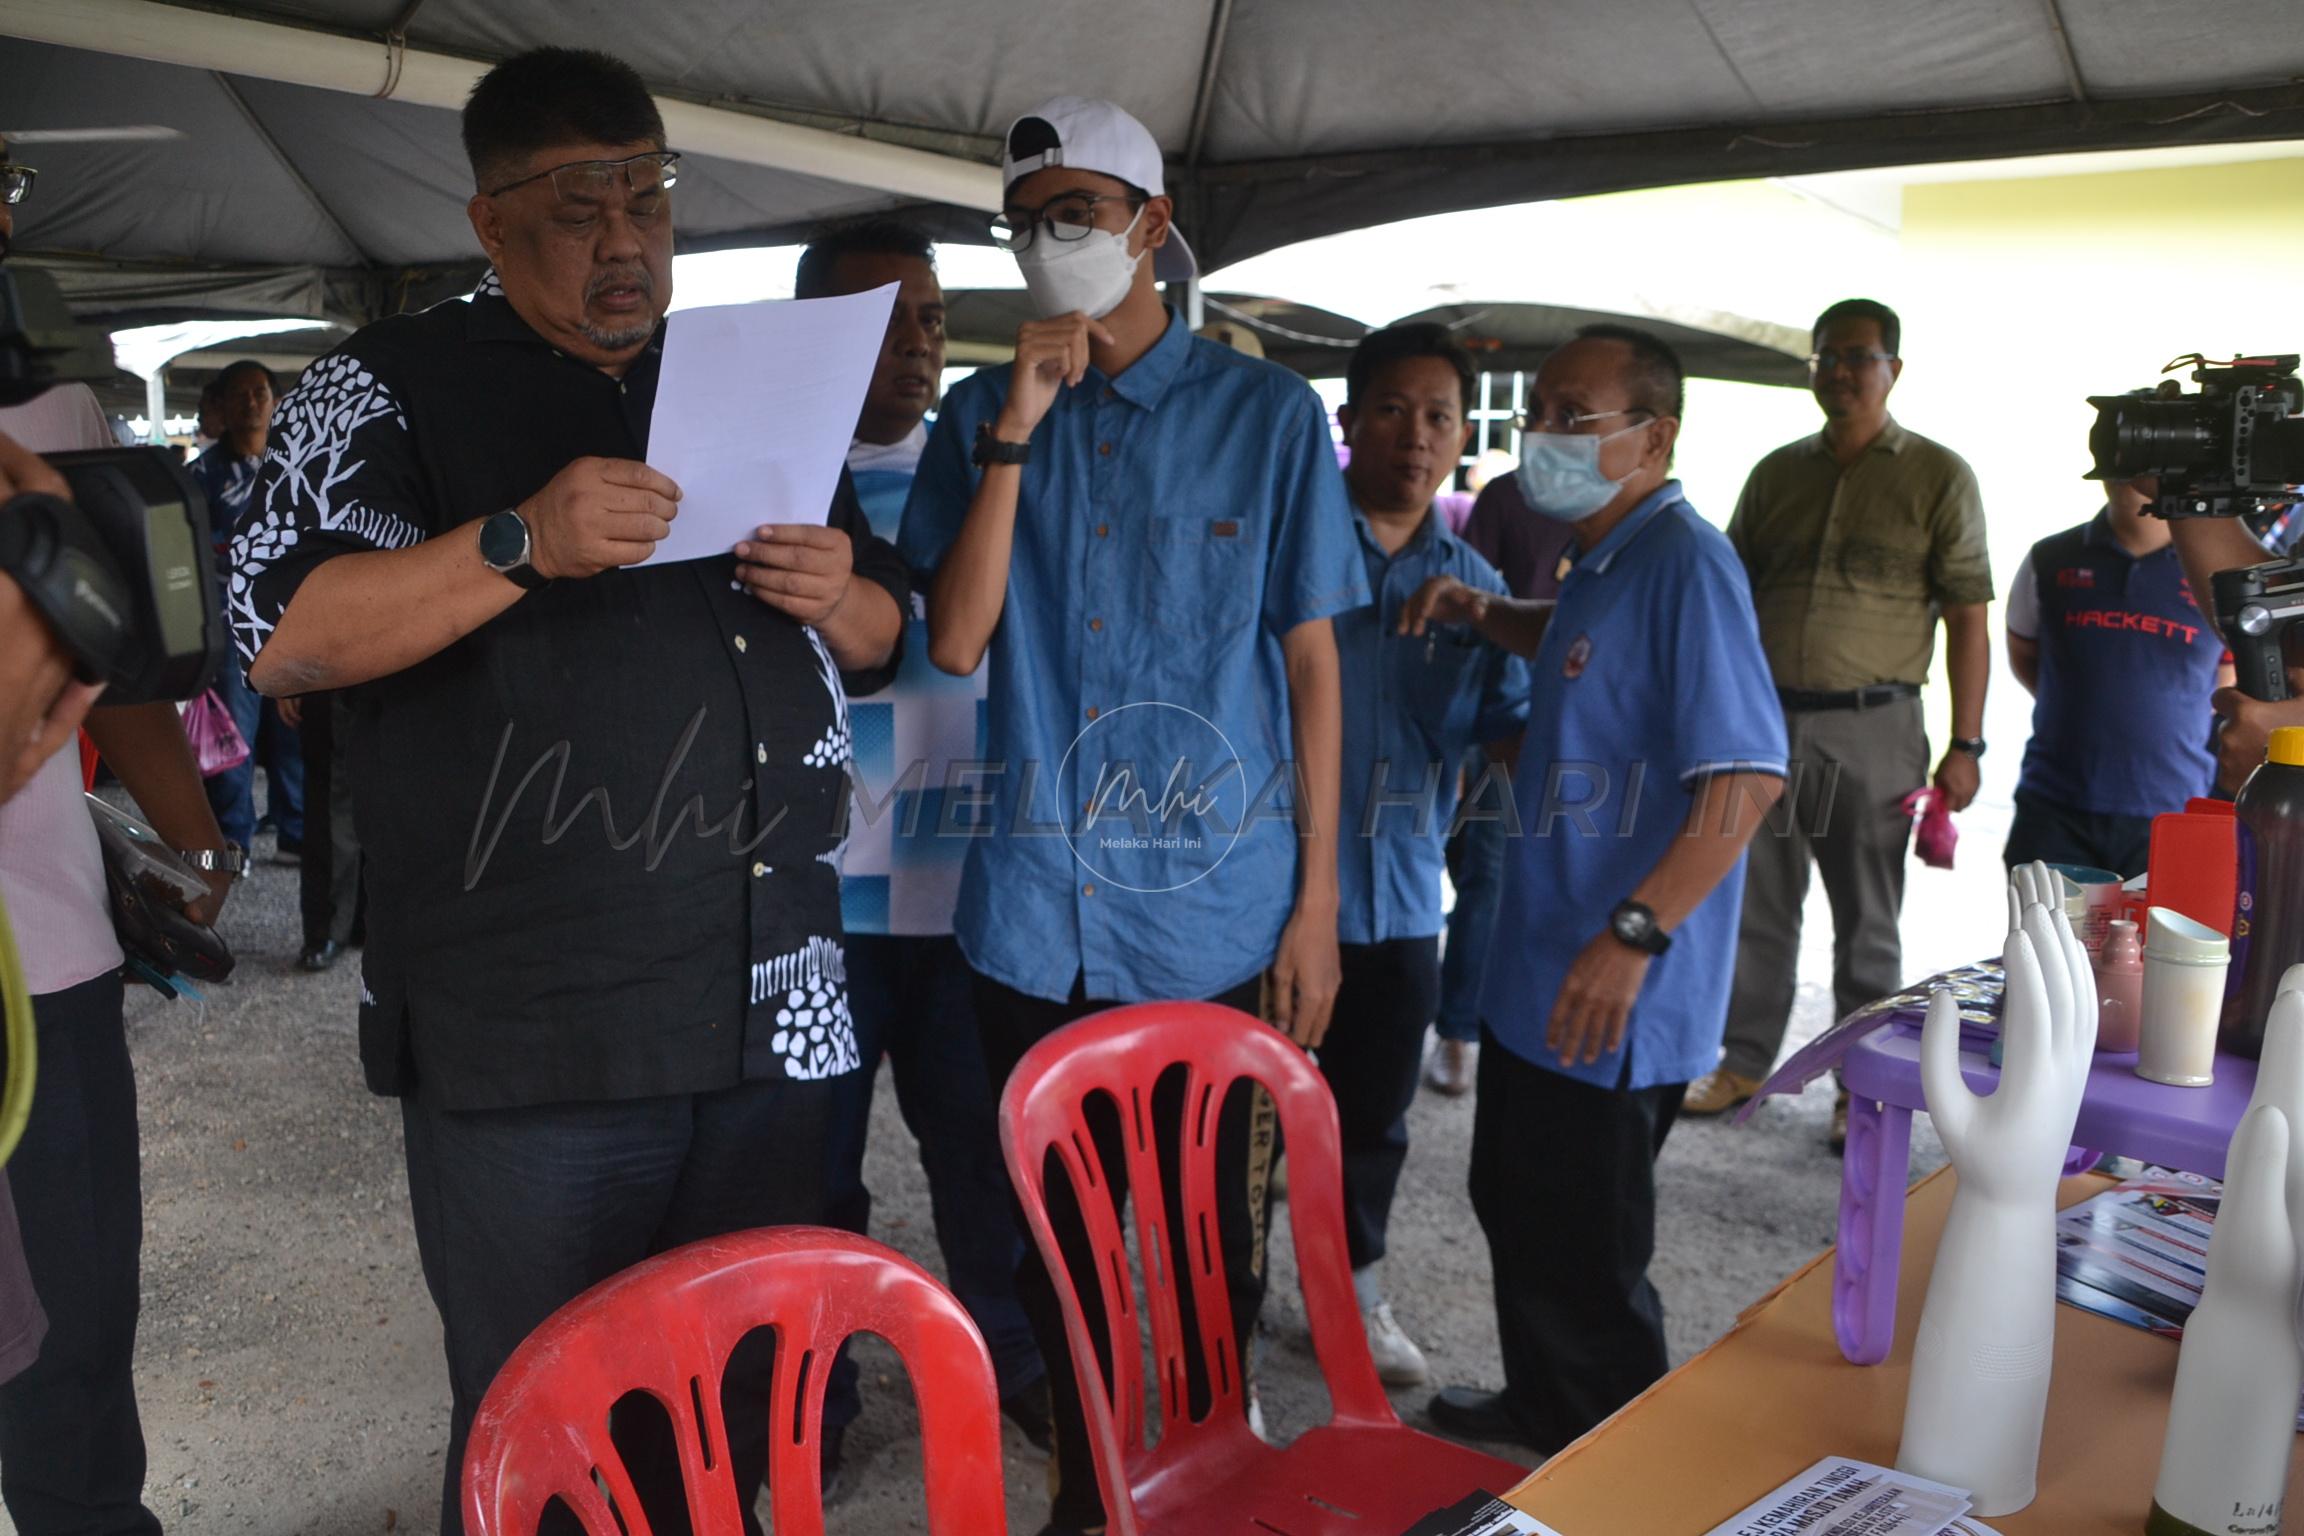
[231, 859]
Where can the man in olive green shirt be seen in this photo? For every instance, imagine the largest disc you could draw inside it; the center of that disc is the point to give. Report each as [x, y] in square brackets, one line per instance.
[1857, 540]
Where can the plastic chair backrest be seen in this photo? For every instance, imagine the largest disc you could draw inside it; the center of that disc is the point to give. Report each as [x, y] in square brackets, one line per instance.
[666, 1326]
[1121, 1054]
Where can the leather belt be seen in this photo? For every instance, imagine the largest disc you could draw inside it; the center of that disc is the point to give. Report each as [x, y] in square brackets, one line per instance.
[1801, 700]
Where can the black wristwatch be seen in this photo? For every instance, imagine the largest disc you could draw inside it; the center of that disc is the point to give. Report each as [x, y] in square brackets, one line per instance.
[1635, 924]
[990, 450]
[504, 545]
[1972, 745]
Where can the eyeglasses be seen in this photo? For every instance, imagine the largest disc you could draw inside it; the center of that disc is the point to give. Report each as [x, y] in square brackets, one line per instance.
[1070, 217]
[1853, 359]
[16, 183]
[1564, 420]
[590, 181]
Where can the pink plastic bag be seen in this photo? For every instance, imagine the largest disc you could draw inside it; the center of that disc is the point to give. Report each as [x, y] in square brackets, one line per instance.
[216, 741]
[1934, 837]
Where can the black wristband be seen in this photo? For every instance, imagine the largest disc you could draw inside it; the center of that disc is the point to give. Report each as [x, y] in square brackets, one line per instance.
[991, 450]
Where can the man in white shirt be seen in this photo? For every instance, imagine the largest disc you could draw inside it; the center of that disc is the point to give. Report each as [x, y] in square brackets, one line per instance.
[908, 987]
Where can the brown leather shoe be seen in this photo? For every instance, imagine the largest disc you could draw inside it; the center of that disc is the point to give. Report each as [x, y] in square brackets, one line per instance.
[1840, 1122]
[1717, 1092]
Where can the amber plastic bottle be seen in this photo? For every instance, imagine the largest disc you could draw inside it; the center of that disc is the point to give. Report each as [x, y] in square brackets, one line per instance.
[2268, 918]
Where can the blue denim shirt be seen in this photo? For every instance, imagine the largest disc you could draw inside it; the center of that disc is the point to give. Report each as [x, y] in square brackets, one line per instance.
[1650, 680]
[1411, 707]
[1132, 825]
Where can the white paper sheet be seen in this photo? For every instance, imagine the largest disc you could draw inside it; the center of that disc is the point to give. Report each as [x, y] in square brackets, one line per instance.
[755, 411]
[1841, 1496]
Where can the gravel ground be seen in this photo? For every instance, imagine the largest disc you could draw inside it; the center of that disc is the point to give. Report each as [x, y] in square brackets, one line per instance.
[289, 1364]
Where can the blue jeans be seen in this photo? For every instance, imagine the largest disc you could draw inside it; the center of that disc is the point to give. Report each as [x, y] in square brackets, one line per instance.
[232, 793]
[1476, 867]
[911, 997]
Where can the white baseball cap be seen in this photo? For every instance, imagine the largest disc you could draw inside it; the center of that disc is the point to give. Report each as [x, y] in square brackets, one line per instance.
[1095, 136]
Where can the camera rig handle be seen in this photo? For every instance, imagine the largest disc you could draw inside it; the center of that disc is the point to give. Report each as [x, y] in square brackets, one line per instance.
[2255, 607]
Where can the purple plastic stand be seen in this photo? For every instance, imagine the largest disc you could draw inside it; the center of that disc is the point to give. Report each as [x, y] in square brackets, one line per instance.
[2122, 1114]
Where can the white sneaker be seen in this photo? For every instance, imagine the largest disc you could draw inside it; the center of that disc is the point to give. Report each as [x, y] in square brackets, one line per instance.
[1256, 1414]
[1399, 1363]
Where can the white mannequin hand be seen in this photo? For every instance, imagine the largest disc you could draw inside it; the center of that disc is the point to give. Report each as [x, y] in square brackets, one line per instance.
[2252, 1253]
[2232, 1420]
[1987, 1330]
[2280, 1083]
[2011, 1144]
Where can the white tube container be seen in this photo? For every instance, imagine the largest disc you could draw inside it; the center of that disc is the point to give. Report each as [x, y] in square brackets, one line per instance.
[2184, 968]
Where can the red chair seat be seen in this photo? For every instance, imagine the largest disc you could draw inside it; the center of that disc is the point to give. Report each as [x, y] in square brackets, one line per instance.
[1364, 1472]
[1365, 1481]
[666, 1327]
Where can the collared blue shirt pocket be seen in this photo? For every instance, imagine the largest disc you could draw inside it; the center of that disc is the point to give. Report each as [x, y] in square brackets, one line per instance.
[1203, 573]
[1442, 680]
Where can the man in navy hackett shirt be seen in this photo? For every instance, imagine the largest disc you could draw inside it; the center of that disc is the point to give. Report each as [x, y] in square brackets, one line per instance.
[2105, 634]
[1654, 751]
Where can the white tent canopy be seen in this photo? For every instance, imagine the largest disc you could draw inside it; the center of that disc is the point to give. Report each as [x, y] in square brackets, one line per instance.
[1283, 120]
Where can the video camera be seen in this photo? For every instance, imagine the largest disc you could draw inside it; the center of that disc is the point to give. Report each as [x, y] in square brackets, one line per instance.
[2235, 449]
[125, 572]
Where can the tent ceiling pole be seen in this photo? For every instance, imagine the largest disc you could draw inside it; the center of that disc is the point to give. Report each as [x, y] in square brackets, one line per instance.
[2063, 41]
[1211, 60]
[280, 155]
[172, 34]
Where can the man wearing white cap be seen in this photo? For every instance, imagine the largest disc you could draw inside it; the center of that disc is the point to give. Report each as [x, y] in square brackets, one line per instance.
[1147, 533]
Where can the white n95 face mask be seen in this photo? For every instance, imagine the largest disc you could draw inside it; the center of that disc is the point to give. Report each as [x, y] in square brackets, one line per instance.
[1090, 274]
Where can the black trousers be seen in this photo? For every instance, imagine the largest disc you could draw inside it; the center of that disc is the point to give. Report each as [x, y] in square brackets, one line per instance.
[2060, 834]
[71, 1445]
[328, 877]
[1371, 1055]
[519, 1210]
[1011, 1023]
[913, 997]
[1564, 1183]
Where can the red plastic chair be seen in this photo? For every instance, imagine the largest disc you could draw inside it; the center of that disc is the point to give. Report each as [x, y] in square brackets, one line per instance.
[666, 1327]
[1363, 1472]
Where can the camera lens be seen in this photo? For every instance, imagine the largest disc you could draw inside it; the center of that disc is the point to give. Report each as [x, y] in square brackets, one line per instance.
[2150, 437]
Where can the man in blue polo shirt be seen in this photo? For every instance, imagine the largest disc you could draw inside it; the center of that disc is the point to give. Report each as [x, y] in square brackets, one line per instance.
[1411, 709]
[1654, 751]
[2104, 633]
[1150, 546]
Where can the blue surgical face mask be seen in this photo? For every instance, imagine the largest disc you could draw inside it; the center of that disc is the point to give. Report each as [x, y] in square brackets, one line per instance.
[1559, 473]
